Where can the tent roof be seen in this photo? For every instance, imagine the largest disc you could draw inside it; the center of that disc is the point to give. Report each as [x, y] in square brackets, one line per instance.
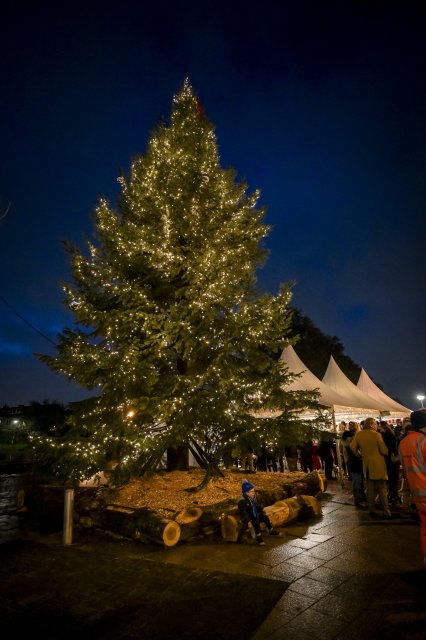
[343, 400]
[366, 385]
[336, 379]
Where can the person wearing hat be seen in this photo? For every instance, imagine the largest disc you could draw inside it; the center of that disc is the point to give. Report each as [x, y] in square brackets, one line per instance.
[412, 452]
[406, 424]
[252, 513]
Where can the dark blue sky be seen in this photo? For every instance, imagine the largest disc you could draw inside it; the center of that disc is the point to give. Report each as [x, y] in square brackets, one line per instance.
[320, 105]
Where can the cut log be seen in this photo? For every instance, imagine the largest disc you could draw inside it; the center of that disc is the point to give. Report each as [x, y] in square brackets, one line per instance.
[157, 529]
[270, 495]
[190, 517]
[230, 528]
[294, 490]
[189, 533]
[301, 507]
[321, 482]
[313, 504]
[20, 499]
[119, 520]
[85, 522]
[294, 506]
[281, 487]
[280, 514]
[298, 507]
[311, 484]
[213, 513]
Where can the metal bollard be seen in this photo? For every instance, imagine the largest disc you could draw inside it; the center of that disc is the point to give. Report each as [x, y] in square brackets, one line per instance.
[68, 514]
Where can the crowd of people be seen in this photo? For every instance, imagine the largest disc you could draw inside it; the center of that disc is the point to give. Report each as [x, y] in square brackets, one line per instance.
[364, 458]
[307, 456]
[370, 462]
[376, 456]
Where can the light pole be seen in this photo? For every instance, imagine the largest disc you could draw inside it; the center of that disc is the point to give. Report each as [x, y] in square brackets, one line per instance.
[421, 398]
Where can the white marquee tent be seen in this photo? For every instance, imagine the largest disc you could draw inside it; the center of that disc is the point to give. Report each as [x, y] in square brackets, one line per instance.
[340, 399]
[366, 385]
[337, 392]
[336, 379]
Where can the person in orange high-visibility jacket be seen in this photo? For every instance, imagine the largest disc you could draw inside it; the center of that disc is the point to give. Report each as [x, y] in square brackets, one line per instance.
[412, 452]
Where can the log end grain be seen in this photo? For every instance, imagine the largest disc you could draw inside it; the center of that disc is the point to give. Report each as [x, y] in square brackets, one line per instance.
[171, 533]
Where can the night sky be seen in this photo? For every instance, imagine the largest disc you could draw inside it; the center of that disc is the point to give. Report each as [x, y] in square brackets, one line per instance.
[320, 105]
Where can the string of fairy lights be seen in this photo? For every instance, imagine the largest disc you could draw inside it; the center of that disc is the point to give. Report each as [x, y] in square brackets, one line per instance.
[171, 285]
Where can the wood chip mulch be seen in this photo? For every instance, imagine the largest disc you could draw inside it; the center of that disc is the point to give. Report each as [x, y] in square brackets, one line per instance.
[167, 492]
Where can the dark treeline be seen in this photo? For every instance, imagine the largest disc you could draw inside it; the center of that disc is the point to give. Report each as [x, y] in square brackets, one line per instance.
[314, 348]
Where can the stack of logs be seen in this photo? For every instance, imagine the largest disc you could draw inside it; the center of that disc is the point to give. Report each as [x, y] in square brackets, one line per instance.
[197, 523]
[280, 513]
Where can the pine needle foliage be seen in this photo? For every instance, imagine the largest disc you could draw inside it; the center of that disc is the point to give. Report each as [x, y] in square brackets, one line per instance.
[170, 330]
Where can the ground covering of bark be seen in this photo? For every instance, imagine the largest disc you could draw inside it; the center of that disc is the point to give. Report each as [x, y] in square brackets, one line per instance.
[168, 493]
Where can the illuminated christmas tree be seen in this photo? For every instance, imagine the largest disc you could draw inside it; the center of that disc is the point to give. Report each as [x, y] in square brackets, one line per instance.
[172, 333]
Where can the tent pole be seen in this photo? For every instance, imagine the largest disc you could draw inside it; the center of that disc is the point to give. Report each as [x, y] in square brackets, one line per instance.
[339, 453]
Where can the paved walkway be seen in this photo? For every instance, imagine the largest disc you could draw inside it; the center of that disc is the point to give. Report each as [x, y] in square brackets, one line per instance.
[342, 576]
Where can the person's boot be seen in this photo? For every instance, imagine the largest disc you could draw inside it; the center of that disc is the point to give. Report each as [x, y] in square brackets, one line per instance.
[273, 532]
[260, 541]
[361, 504]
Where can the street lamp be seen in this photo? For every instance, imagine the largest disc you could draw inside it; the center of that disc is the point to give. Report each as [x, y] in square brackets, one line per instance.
[421, 398]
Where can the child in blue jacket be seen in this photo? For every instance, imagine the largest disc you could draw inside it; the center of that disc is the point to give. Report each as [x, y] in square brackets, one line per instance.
[252, 513]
